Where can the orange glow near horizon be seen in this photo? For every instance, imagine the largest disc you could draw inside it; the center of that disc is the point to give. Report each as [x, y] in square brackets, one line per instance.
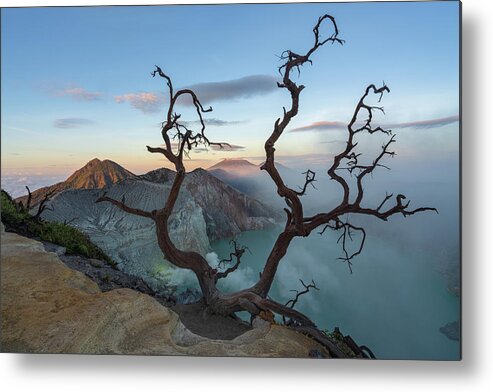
[137, 165]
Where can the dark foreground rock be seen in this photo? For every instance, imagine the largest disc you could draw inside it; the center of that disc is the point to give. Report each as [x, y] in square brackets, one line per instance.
[108, 277]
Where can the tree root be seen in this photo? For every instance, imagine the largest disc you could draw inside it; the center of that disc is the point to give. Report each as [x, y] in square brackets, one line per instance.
[254, 304]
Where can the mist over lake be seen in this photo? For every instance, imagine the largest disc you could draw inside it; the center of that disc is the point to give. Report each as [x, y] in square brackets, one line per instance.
[394, 302]
[405, 283]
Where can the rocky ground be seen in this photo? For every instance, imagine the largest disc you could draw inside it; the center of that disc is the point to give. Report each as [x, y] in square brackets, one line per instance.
[47, 307]
[106, 276]
[187, 304]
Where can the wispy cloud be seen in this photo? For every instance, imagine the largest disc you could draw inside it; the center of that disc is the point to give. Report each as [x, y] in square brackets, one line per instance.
[15, 183]
[77, 93]
[334, 142]
[245, 87]
[433, 123]
[69, 123]
[145, 102]
[339, 125]
[231, 147]
[321, 126]
[17, 129]
[214, 122]
[213, 147]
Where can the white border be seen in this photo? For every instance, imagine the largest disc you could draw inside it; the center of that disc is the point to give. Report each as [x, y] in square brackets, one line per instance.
[142, 374]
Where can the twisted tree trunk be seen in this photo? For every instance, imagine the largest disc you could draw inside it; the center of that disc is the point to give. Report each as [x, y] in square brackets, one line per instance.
[255, 299]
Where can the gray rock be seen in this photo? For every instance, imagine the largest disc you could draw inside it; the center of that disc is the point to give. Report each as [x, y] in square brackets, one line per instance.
[128, 239]
[451, 330]
[96, 263]
[261, 324]
[57, 249]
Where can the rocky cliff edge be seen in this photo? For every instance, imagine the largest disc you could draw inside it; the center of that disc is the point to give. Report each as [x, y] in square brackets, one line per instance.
[47, 307]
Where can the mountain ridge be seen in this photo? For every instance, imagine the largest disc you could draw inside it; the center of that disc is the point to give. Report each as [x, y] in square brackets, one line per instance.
[95, 174]
[233, 163]
[207, 210]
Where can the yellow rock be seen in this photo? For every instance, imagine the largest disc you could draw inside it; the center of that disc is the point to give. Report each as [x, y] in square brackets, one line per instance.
[49, 308]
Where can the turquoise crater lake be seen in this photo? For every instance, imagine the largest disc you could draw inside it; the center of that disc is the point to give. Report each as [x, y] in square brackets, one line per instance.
[394, 302]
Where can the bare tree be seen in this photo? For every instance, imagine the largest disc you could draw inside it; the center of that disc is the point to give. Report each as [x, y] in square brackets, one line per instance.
[42, 206]
[255, 299]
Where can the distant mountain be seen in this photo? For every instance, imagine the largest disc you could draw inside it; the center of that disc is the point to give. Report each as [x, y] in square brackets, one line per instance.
[95, 174]
[239, 173]
[207, 210]
[249, 179]
[98, 174]
[238, 166]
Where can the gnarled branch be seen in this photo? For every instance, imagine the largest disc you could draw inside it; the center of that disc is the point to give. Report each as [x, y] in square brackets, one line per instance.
[347, 160]
[293, 60]
[237, 254]
[42, 206]
[309, 180]
[29, 198]
[292, 302]
[295, 225]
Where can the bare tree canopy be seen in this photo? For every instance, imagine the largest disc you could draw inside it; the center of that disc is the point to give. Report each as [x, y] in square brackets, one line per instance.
[179, 139]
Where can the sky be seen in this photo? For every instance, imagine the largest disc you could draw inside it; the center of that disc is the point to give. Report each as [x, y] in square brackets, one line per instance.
[76, 82]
